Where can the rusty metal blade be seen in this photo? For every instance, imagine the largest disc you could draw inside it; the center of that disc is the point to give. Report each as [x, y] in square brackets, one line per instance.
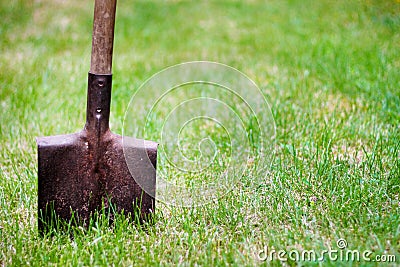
[78, 173]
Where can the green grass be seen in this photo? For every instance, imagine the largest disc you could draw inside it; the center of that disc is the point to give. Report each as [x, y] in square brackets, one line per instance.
[330, 70]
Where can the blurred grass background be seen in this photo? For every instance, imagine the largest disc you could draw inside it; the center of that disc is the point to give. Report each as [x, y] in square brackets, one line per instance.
[330, 70]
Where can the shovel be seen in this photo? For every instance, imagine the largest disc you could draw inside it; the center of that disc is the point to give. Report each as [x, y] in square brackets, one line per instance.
[95, 170]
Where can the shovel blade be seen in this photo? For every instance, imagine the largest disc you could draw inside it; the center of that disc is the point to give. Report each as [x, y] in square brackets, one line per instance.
[77, 177]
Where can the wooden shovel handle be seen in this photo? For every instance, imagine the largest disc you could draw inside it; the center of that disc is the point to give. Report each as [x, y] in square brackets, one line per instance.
[103, 36]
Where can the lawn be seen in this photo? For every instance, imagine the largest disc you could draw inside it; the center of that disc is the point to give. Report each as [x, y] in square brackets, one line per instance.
[330, 73]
